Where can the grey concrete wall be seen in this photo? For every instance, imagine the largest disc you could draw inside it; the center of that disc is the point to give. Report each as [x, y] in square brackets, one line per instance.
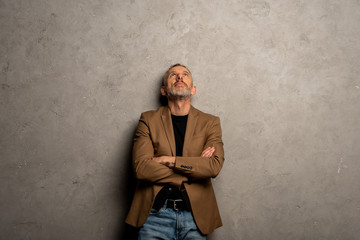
[282, 75]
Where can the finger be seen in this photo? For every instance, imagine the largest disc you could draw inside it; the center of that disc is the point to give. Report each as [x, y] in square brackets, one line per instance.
[206, 152]
[209, 154]
[156, 159]
[212, 150]
[203, 153]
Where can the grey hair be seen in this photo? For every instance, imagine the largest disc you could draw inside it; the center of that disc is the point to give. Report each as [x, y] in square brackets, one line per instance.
[166, 75]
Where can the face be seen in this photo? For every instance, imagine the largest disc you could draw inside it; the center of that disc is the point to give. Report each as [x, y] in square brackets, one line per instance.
[178, 84]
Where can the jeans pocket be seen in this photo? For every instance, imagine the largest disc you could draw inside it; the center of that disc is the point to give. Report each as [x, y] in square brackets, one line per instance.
[155, 211]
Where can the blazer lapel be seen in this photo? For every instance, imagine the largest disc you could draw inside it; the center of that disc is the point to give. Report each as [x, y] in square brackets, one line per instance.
[190, 128]
[167, 123]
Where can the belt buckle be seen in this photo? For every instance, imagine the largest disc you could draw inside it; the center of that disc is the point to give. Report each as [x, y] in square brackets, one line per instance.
[175, 207]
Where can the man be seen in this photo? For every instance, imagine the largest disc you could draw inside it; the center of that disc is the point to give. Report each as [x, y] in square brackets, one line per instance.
[177, 150]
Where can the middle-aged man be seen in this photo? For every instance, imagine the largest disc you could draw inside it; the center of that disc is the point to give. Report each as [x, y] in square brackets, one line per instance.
[177, 150]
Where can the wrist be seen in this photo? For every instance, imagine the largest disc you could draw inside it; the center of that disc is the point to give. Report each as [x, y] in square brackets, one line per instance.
[169, 162]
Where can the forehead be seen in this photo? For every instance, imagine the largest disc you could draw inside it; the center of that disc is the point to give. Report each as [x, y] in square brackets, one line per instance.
[179, 69]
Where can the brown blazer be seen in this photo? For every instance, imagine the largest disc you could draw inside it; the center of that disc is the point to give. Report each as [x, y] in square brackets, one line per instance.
[155, 137]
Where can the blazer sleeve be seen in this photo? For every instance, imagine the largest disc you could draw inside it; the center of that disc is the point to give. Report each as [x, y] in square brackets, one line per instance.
[144, 167]
[198, 167]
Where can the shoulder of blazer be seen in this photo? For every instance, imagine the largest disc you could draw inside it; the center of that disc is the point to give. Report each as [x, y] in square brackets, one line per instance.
[203, 115]
[154, 113]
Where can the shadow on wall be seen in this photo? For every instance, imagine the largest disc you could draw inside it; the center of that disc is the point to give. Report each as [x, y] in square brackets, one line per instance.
[126, 194]
[128, 186]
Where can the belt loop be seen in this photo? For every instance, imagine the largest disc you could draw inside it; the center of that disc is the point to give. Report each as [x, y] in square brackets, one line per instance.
[166, 203]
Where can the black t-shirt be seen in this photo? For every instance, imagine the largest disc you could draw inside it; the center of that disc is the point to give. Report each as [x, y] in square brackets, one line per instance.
[168, 191]
[179, 125]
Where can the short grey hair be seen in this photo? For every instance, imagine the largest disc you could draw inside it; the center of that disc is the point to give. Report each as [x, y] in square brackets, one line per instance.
[166, 75]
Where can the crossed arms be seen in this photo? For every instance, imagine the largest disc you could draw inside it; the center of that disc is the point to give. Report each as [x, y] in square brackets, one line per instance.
[169, 161]
[174, 170]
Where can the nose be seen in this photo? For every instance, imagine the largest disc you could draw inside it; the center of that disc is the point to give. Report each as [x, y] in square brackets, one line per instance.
[179, 77]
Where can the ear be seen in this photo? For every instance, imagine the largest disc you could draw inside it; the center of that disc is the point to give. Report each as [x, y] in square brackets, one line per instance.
[193, 90]
[163, 91]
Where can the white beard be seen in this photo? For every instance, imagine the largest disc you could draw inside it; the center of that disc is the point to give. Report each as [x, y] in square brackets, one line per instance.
[178, 94]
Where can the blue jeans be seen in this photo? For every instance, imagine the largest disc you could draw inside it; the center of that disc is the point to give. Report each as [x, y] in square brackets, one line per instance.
[168, 224]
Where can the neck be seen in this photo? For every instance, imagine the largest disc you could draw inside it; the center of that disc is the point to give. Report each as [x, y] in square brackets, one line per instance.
[179, 107]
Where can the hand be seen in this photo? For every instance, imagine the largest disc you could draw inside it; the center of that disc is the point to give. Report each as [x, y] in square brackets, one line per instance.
[165, 160]
[208, 152]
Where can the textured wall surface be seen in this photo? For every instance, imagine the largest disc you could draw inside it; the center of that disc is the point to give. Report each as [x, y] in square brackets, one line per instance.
[282, 75]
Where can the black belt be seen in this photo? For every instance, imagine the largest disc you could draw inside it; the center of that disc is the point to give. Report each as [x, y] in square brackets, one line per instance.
[176, 205]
